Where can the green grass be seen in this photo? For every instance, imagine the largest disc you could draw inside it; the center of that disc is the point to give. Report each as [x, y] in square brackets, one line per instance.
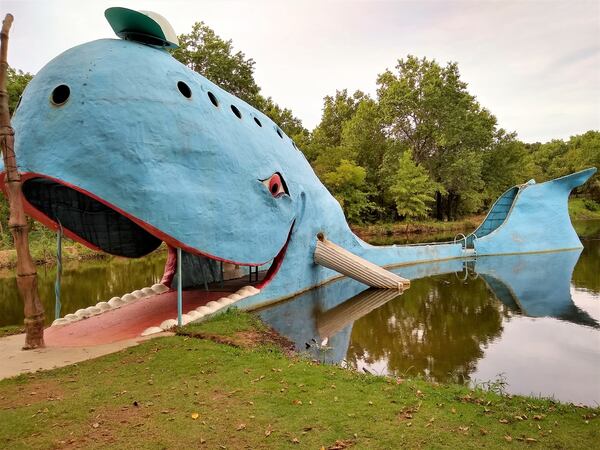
[583, 209]
[9, 330]
[227, 324]
[148, 396]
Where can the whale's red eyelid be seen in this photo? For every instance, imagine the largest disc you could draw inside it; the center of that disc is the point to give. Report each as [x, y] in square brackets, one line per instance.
[276, 185]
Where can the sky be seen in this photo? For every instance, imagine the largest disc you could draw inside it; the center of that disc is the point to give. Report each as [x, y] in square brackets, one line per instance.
[534, 64]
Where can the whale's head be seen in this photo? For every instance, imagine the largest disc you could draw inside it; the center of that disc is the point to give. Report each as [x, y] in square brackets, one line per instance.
[125, 147]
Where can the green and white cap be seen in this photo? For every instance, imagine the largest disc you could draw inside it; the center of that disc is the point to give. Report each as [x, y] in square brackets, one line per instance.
[146, 27]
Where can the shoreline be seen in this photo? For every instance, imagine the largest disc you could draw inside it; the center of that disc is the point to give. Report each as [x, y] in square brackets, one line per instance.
[230, 382]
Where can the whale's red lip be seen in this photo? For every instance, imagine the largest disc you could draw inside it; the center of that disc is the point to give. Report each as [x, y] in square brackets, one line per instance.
[129, 228]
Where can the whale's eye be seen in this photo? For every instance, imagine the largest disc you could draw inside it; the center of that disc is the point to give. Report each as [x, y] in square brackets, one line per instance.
[60, 94]
[276, 185]
[184, 89]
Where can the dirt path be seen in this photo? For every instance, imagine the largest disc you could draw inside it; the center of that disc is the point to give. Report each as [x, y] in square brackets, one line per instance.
[16, 361]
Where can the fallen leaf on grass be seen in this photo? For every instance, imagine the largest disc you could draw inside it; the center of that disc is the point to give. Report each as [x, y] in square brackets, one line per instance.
[508, 438]
[268, 431]
[95, 425]
[241, 426]
[340, 445]
[503, 421]
[195, 415]
[295, 441]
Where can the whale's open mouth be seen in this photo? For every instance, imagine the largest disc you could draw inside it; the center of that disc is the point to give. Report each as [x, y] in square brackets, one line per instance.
[95, 223]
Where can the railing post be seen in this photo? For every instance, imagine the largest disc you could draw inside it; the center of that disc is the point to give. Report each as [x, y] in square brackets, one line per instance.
[179, 289]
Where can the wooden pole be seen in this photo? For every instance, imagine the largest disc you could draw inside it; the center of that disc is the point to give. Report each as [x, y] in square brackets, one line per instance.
[26, 274]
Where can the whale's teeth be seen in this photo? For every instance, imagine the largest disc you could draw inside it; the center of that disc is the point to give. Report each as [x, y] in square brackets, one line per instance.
[148, 291]
[128, 298]
[61, 321]
[194, 314]
[225, 301]
[247, 291]
[115, 302]
[82, 313]
[138, 294]
[168, 324]
[92, 310]
[159, 288]
[235, 297]
[71, 317]
[152, 330]
[103, 306]
[203, 310]
[185, 319]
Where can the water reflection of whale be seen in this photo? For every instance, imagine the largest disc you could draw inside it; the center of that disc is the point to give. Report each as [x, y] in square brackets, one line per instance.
[536, 285]
[329, 311]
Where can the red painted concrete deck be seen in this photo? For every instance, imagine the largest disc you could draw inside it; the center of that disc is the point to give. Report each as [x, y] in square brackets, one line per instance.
[126, 322]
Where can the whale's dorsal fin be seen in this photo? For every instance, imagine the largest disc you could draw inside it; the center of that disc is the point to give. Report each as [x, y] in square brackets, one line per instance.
[146, 27]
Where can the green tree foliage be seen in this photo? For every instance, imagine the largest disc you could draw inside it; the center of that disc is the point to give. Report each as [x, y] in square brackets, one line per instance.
[16, 82]
[213, 57]
[337, 110]
[347, 183]
[206, 53]
[412, 190]
[428, 107]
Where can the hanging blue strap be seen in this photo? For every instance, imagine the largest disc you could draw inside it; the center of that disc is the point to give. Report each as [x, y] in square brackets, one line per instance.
[57, 304]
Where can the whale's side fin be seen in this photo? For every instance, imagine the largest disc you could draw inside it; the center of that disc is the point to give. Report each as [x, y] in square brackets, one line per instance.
[334, 257]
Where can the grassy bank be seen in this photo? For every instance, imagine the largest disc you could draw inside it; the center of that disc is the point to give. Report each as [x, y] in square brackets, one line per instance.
[230, 383]
[418, 227]
[583, 209]
[10, 330]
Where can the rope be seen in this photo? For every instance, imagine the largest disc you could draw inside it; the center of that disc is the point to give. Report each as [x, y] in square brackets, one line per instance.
[57, 305]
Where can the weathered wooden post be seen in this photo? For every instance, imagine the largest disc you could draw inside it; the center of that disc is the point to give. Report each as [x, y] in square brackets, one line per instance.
[26, 274]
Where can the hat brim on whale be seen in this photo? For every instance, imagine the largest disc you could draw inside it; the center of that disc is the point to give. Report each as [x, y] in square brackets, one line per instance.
[143, 26]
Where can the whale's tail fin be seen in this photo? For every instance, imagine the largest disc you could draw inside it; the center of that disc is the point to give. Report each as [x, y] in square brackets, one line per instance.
[530, 218]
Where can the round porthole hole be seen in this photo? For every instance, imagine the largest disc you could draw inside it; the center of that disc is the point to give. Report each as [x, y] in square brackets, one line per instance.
[60, 94]
[236, 111]
[212, 98]
[184, 89]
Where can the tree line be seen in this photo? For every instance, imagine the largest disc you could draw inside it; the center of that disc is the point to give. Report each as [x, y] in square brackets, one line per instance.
[421, 147]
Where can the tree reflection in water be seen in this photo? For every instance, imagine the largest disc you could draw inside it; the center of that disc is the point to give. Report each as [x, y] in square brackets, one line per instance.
[438, 328]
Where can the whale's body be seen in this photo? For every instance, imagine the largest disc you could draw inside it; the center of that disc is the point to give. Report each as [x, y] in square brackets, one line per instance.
[192, 173]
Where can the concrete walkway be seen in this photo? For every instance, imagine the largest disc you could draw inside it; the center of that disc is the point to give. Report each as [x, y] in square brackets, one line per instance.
[16, 361]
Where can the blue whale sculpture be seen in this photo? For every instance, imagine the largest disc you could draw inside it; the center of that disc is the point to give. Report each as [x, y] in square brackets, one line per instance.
[126, 147]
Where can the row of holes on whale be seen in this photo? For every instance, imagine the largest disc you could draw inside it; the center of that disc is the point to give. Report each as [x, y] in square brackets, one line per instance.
[97, 223]
[61, 94]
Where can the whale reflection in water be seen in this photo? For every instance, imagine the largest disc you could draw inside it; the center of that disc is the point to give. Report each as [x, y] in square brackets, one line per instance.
[535, 285]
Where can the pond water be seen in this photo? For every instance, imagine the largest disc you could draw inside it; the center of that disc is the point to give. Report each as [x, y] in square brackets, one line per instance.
[531, 322]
